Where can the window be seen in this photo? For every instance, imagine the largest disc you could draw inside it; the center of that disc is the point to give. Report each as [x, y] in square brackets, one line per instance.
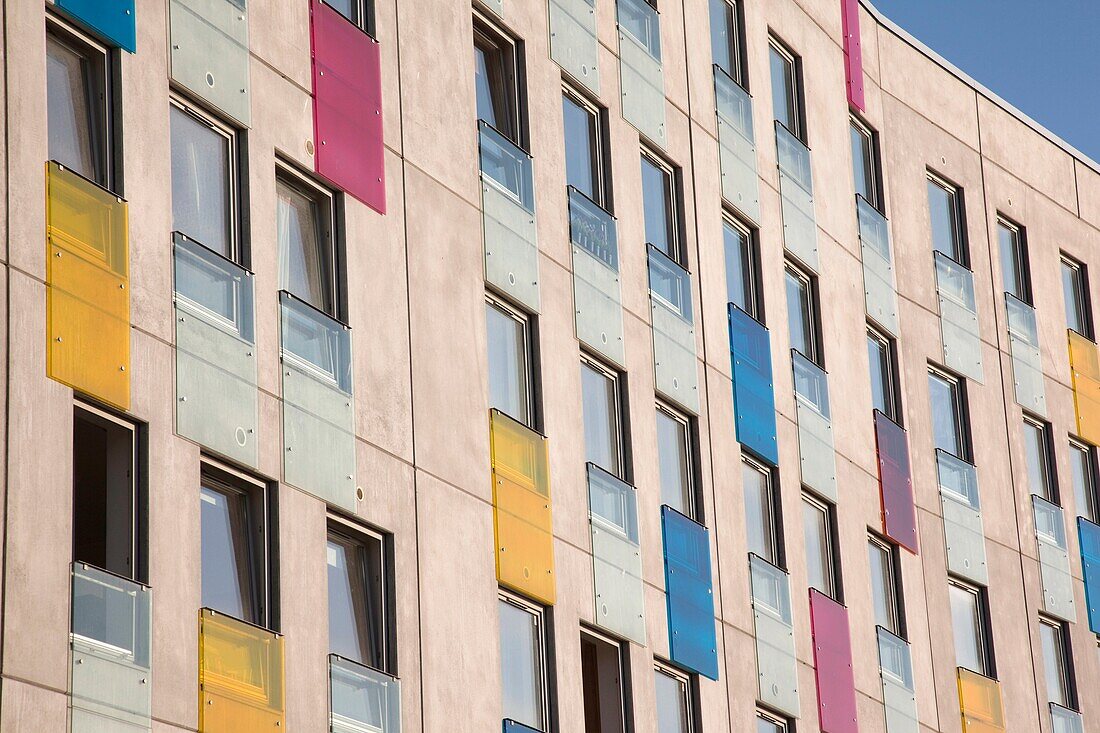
[786, 92]
[865, 163]
[1039, 460]
[523, 662]
[359, 12]
[108, 518]
[767, 723]
[509, 340]
[674, 451]
[726, 40]
[1057, 666]
[1082, 469]
[602, 676]
[584, 151]
[945, 209]
[761, 517]
[601, 400]
[234, 546]
[204, 180]
[741, 288]
[496, 78]
[968, 621]
[357, 595]
[674, 711]
[1075, 290]
[817, 530]
[884, 585]
[948, 414]
[305, 218]
[884, 391]
[659, 203]
[78, 102]
[802, 313]
[1015, 270]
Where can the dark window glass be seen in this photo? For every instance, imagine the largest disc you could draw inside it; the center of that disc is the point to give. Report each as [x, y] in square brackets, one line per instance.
[231, 582]
[304, 225]
[356, 610]
[881, 359]
[602, 681]
[202, 181]
[865, 163]
[1037, 452]
[359, 12]
[582, 147]
[659, 207]
[1082, 467]
[77, 107]
[1075, 292]
[884, 591]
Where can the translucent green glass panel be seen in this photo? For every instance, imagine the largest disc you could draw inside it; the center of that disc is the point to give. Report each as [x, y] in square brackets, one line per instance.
[240, 676]
[1064, 720]
[522, 513]
[962, 343]
[980, 703]
[361, 699]
[318, 408]
[508, 211]
[597, 290]
[573, 42]
[674, 361]
[616, 555]
[1085, 369]
[1027, 360]
[87, 287]
[776, 664]
[962, 518]
[110, 684]
[815, 428]
[641, 75]
[796, 190]
[1054, 572]
[216, 392]
[898, 692]
[878, 266]
[736, 145]
[209, 53]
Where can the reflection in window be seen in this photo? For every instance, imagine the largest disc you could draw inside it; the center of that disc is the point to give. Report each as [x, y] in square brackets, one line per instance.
[228, 582]
[583, 147]
[945, 210]
[77, 108]
[673, 693]
[740, 265]
[786, 101]
[801, 325]
[304, 229]
[1037, 453]
[865, 163]
[817, 533]
[509, 365]
[1056, 666]
[968, 623]
[948, 425]
[725, 38]
[523, 673]
[495, 79]
[1082, 468]
[674, 453]
[202, 181]
[658, 207]
[884, 592]
[602, 432]
[880, 357]
[359, 12]
[356, 612]
[760, 513]
[1014, 260]
[1075, 293]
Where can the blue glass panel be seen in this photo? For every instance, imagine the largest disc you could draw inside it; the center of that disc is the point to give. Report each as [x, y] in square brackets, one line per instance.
[692, 639]
[753, 389]
[1089, 536]
[111, 20]
[511, 726]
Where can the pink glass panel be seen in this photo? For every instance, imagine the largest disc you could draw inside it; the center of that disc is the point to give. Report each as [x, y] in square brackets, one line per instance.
[347, 106]
[836, 686]
[899, 515]
[853, 53]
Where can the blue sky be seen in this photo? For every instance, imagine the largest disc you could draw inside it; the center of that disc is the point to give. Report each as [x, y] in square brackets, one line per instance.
[1042, 56]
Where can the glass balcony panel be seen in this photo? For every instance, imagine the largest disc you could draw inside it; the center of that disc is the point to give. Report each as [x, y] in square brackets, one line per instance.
[753, 389]
[361, 699]
[899, 513]
[980, 703]
[347, 99]
[736, 145]
[878, 266]
[836, 687]
[962, 343]
[1088, 535]
[209, 53]
[216, 392]
[776, 664]
[1054, 570]
[1064, 720]
[87, 287]
[497, 6]
[597, 291]
[240, 676]
[616, 555]
[898, 692]
[111, 635]
[508, 211]
[1027, 360]
[318, 407]
[674, 361]
[522, 508]
[641, 74]
[815, 430]
[691, 634]
[573, 42]
[796, 190]
[962, 518]
[1085, 369]
[111, 20]
[511, 726]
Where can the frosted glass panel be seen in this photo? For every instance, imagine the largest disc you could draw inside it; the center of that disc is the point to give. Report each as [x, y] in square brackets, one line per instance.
[641, 75]
[962, 518]
[573, 42]
[878, 267]
[209, 53]
[1027, 360]
[674, 361]
[962, 344]
[1064, 720]
[361, 699]
[616, 555]
[815, 429]
[898, 693]
[1054, 570]
[796, 189]
[736, 145]
[597, 295]
[776, 664]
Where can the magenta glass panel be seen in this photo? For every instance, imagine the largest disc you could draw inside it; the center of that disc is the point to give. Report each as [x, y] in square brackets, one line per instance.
[895, 480]
[347, 107]
[836, 686]
[853, 53]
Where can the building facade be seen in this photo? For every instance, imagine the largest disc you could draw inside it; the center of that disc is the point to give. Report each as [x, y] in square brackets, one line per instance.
[538, 365]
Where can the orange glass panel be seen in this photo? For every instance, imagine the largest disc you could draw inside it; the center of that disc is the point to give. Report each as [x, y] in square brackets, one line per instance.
[980, 703]
[240, 676]
[521, 508]
[87, 287]
[1084, 365]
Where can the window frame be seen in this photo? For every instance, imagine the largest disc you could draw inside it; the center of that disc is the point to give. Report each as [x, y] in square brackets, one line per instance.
[601, 160]
[783, 724]
[735, 50]
[527, 324]
[358, 534]
[695, 510]
[960, 408]
[983, 630]
[541, 616]
[1064, 650]
[623, 652]
[751, 275]
[870, 135]
[832, 561]
[490, 37]
[1092, 476]
[677, 246]
[366, 11]
[892, 387]
[330, 227]
[1084, 301]
[687, 683]
[811, 314]
[1047, 457]
[797, 101]
[772, 510]
[958, 215]
[1021, 258]
[895, 596]
[617, 382]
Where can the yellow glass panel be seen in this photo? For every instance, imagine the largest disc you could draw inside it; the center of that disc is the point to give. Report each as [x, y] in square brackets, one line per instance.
[240, 676]
[980, 703]
[1085, 367]
[521, 508]
[87, 287]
